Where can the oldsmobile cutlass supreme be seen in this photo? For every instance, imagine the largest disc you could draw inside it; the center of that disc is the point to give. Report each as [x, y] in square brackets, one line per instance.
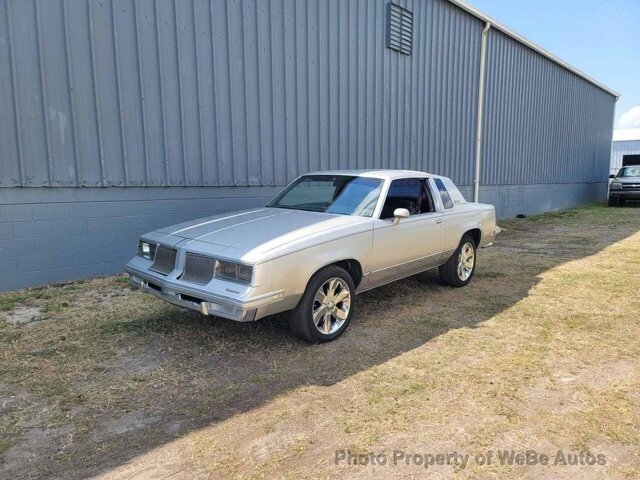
[325, 238]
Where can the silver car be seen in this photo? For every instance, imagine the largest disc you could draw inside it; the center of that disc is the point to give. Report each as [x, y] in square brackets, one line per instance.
[325, 238]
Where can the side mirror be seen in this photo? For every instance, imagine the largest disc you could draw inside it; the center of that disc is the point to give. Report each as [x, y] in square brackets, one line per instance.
[612, 176]
[399, 213]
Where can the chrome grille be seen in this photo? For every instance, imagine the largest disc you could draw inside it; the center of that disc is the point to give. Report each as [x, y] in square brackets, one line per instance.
[198, 269]
[164, 261]
[631, 186]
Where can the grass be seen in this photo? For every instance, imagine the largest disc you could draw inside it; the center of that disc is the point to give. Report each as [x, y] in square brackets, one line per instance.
[538, 352]
[9, 301]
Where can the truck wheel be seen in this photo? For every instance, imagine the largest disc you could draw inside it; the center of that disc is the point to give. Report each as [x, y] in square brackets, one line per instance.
[458, 270]
[613, 201]
[326, 307]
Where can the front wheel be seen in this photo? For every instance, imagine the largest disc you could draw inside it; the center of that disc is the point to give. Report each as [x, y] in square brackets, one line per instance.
[458, 270]
[613, 202]
[326, 307]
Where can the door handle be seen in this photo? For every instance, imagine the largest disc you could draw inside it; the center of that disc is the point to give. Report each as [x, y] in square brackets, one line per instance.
[439, 220]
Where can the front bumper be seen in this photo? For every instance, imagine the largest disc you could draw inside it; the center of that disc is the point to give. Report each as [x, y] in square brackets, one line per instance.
[626, 194]
[241, 309]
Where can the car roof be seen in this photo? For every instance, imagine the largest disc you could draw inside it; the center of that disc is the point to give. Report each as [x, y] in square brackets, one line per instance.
[373, 173]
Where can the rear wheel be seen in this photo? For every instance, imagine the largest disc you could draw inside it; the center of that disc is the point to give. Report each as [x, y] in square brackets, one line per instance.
[326, 307]
[458, 270]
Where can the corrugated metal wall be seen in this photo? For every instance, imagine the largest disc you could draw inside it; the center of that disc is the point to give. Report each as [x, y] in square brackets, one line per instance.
[240, 96]
[177, 92]
[543, 124]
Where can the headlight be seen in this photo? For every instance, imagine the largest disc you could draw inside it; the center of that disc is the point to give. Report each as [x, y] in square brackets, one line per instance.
[146, 250]
[234, 272]
[616, 186]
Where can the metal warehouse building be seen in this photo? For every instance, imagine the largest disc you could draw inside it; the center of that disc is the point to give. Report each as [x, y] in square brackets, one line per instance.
[623, 153]
[118, 117]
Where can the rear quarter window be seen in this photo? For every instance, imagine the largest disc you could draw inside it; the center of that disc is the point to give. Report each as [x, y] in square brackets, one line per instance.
[444, 194]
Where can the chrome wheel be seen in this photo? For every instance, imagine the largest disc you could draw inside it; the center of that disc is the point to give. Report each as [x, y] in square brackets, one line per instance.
[331, 305]
[466, 261]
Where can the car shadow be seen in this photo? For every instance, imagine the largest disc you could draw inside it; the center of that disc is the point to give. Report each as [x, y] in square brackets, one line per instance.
[209, 369]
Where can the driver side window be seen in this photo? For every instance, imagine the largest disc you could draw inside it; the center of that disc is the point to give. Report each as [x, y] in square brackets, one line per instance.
[409, 193]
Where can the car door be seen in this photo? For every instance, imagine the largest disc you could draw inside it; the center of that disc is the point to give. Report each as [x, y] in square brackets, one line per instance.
[413, 244]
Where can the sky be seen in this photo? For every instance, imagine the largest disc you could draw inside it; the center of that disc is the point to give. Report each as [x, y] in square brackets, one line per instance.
[599, 37]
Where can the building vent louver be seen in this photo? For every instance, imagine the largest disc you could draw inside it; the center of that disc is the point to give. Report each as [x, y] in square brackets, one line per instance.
[399, 29]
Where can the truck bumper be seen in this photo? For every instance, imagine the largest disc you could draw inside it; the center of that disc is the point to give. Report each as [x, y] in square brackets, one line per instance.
[626, 194]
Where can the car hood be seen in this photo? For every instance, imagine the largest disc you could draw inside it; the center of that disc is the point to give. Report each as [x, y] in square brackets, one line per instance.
[262, 230]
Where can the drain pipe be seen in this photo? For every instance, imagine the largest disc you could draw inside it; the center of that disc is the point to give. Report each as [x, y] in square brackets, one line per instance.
[483, 58]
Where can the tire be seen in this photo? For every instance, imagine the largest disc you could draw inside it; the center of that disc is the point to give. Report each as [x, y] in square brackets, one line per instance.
[458, 271]
[332, 317]
[613, 202]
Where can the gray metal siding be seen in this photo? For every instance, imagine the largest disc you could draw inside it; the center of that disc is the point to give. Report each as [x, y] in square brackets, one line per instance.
[56, 234]
[533, 199]
[542, 124]
[203, 106]
[620, 149]
[155, 93]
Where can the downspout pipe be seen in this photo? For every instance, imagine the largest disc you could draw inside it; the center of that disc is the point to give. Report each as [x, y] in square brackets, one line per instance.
[483, 60]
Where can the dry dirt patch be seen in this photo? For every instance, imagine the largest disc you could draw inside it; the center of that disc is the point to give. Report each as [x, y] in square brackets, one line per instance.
[22, 315]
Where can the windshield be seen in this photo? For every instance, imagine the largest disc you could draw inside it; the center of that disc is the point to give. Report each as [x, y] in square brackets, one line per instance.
[629, 172]
[341, 194]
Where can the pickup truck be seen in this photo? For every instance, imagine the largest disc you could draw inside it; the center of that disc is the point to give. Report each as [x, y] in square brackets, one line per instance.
[625, 186]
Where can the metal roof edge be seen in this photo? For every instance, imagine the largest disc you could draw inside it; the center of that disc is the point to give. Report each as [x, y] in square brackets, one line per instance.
[516, 36]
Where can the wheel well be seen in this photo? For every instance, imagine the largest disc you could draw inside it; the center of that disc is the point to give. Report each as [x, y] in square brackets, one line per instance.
[476, 234]
[353, 267]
